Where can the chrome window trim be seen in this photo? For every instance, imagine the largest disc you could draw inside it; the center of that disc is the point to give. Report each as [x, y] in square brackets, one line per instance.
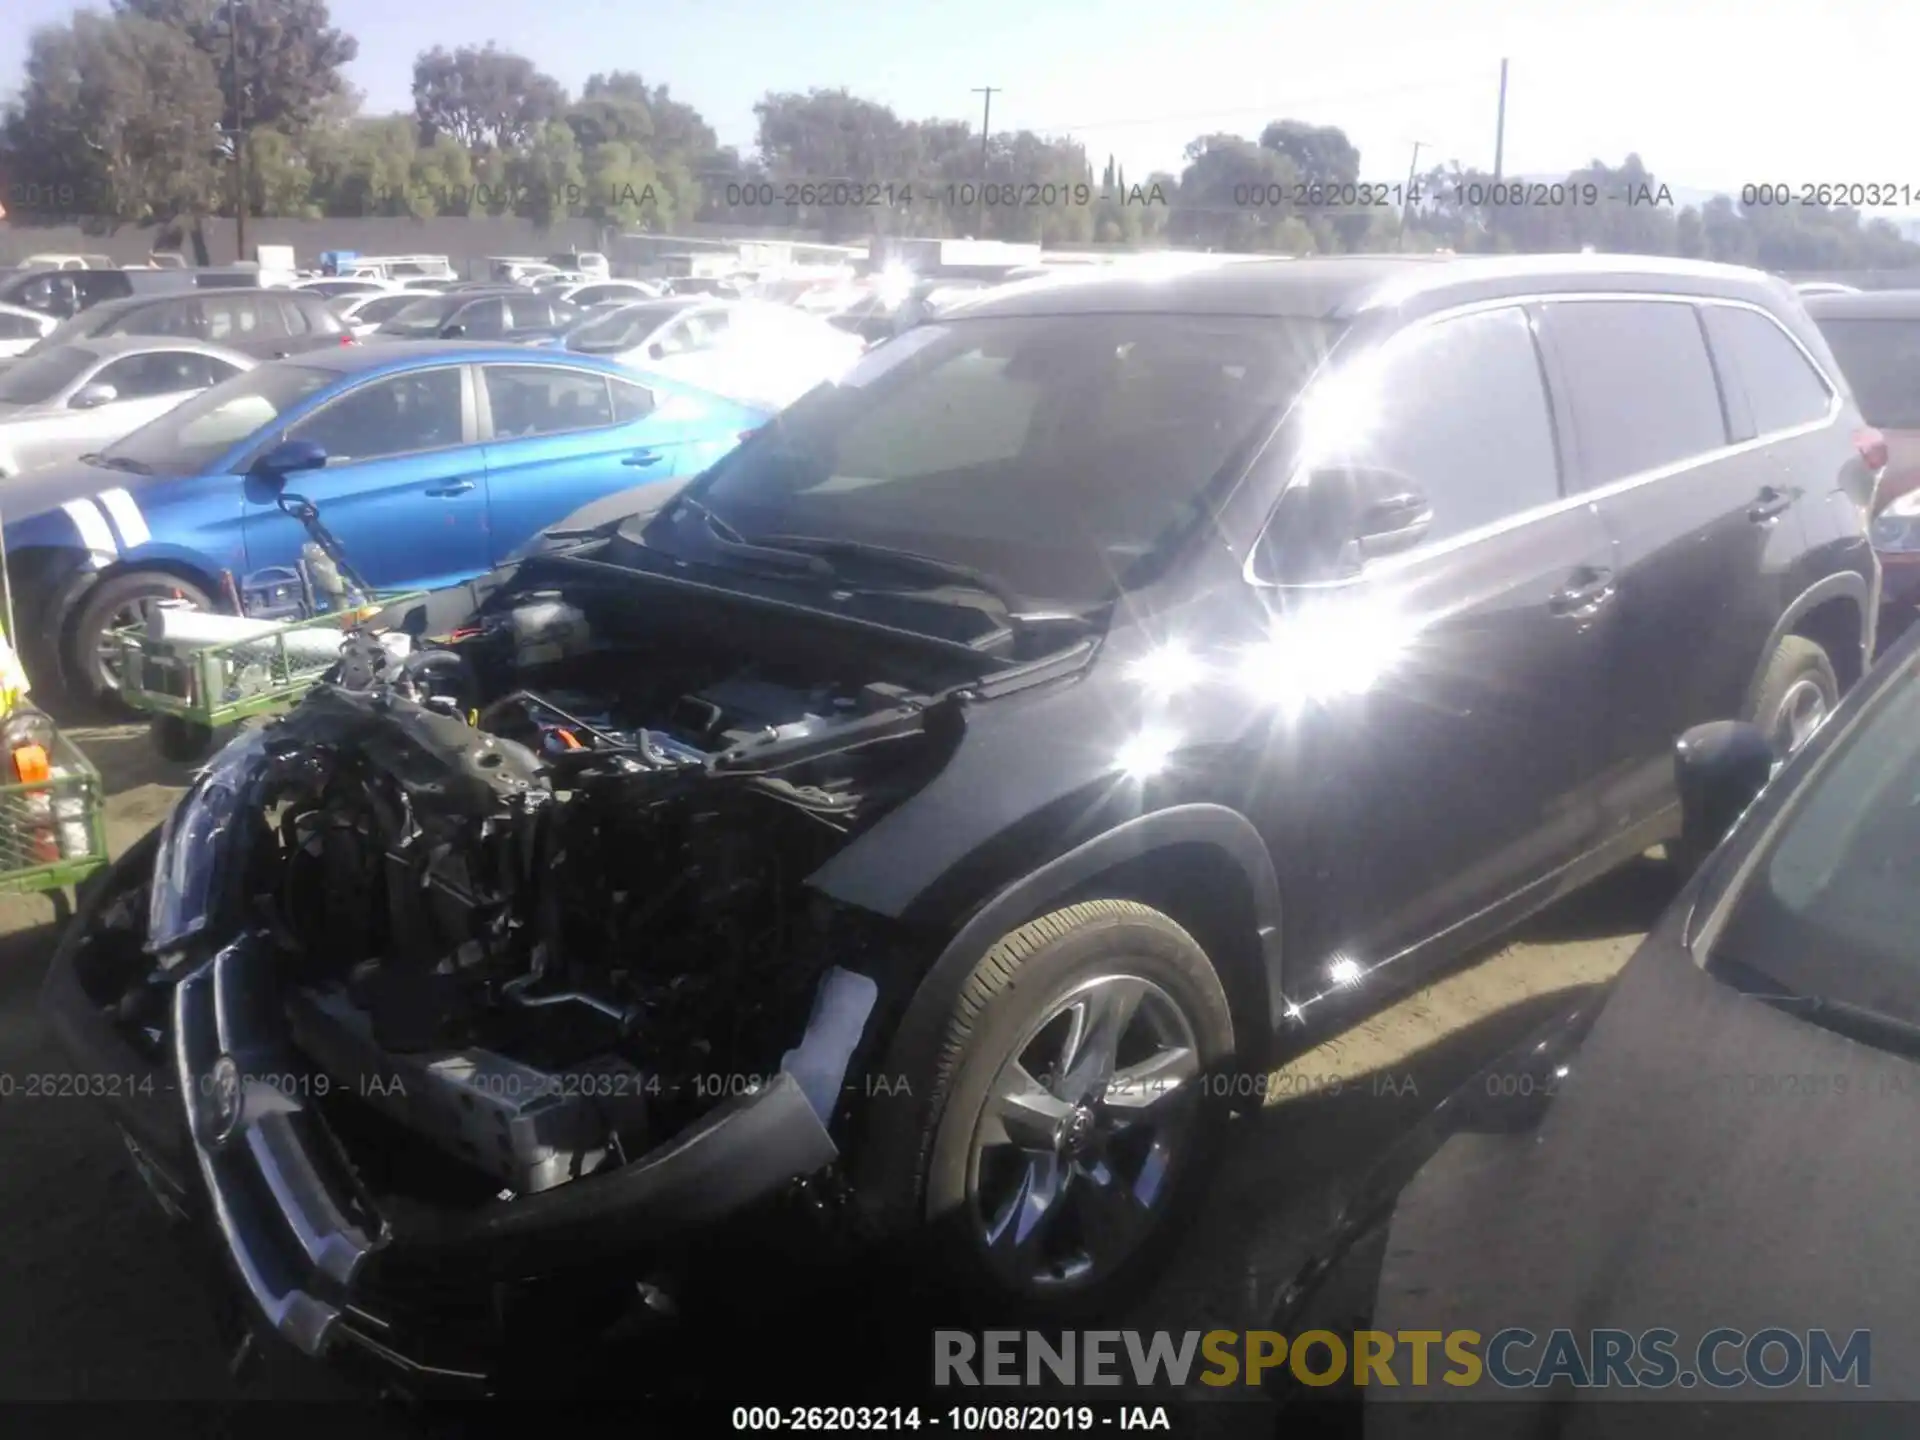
[1393, 564]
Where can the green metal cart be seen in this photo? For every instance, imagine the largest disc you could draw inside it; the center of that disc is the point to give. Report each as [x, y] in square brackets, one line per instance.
[53, 831]
[194, 692]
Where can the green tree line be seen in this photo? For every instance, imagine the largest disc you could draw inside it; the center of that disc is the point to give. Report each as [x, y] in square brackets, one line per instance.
[134, 116]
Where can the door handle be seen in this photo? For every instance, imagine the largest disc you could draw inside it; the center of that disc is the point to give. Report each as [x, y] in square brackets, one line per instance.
[450, 487]
[642, 457]
[1770, 502]
[1591, 588]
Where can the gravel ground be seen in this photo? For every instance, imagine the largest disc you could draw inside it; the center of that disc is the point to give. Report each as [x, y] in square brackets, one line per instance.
[98, 1305]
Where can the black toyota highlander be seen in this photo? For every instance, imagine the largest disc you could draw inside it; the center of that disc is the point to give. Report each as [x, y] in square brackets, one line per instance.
[935, 817]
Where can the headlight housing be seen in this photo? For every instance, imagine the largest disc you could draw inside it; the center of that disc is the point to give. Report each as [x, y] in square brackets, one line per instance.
[196, 846]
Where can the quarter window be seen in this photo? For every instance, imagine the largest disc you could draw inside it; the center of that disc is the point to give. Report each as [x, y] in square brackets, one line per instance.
[631, 402]
[1783, 389]
[1640, 384]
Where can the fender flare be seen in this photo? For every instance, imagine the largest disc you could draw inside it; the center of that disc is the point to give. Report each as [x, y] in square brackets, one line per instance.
[1224, 830]
[891, 1190]
[1844, 584]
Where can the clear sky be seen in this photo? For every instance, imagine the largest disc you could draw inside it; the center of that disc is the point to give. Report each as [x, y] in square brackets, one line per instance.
[1712, 93]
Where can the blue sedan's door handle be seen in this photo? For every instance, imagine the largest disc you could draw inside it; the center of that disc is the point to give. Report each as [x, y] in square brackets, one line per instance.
[450, 487]
[642, 457]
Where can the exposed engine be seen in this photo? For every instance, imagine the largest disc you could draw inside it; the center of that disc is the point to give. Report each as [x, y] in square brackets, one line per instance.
[539, 893]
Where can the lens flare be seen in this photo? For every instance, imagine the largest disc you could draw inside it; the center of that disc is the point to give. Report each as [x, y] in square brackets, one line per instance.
[1146, 754]
[1170, 670]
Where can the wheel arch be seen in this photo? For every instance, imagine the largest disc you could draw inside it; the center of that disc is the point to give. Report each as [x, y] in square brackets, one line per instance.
[1202, 864]
[182, 565]
[1836, 613]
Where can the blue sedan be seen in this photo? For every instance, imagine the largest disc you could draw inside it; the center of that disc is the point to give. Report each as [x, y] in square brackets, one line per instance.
[440, 460]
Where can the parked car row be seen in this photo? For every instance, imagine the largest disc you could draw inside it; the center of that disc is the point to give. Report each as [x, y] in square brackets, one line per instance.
[1093, 689]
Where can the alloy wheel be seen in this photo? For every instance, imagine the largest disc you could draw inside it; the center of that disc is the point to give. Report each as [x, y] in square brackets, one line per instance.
[1084, 1126]
[1802, 710]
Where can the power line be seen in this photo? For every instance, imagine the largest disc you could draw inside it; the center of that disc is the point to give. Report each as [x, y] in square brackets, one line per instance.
[1292, 104]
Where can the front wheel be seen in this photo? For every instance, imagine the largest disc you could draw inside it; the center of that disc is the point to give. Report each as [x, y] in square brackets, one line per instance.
[126, 602]
[1073, 1108]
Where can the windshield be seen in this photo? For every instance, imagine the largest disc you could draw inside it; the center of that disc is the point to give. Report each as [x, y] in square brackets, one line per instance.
[191, 437]
[1881, 360]
[1830, 908]
[1051, 452]
[41, 377]
[425, 316]
[622, 329]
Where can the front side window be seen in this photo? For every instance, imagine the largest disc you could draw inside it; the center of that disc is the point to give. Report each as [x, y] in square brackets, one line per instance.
[1451, 418]
[179, 318]
[158, 372]
[17, 327]
[395, 415]
[545, 400]
[1640, 384]
[198, 433]
[482, 320]
[1054, 452]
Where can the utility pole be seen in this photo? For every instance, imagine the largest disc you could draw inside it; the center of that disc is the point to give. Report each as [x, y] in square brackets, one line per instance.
[1406, 199]
[239, 132]
[986, 134]
[1500, 129]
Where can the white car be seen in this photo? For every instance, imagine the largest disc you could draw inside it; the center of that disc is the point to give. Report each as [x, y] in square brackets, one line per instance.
[364, 314]
[83, 396]
[21, 327]
[745, 350]
[598, 292]
[1825, 287]
[559, 280]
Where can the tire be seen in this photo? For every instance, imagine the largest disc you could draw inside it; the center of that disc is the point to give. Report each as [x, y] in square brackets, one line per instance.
[86, 676]
[1797, 674]
[181, 741]
[946, 1171]
[1798, 667]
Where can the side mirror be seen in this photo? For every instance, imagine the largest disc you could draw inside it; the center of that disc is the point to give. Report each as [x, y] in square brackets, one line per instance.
[452, 331]
[656, 351]
[92, 397]
[289, 457]
[1394, 515]
[1719, 770]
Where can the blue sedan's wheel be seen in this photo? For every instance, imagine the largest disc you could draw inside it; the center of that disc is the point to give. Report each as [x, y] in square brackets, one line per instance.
[125, 602]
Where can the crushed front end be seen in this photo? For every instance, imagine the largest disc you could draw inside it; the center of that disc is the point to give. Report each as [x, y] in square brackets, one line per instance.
[491, 965]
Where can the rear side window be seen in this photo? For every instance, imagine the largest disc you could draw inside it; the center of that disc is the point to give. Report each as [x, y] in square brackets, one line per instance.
[1640, 384]
[17, 327]
[1881, 360]
[545, 400]
[1783, 389]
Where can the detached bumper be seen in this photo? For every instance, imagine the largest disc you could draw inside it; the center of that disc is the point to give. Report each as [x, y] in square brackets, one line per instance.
[320, 1262]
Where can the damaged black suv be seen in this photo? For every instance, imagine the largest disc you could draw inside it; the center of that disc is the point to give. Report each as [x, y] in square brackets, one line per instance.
[937, 809]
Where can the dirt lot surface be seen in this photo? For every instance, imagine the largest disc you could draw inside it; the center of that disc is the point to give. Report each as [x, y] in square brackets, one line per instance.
[98, 1305]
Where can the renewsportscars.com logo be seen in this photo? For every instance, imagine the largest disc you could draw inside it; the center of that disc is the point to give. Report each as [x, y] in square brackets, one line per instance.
[1512, 1359]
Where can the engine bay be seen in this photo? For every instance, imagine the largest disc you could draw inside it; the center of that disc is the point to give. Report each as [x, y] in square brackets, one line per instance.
[539, 891]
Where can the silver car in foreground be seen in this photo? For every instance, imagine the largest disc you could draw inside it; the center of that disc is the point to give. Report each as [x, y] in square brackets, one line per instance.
[80, 397]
